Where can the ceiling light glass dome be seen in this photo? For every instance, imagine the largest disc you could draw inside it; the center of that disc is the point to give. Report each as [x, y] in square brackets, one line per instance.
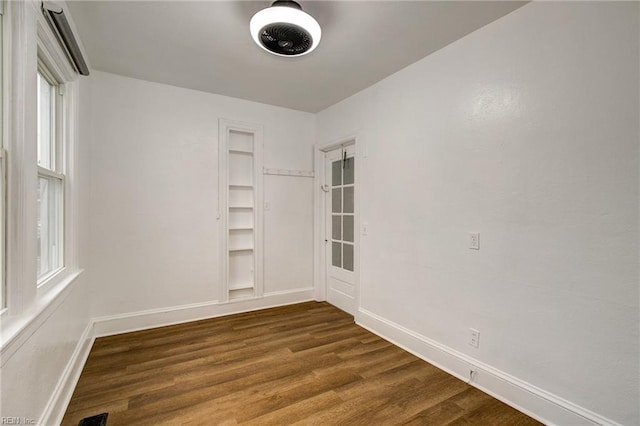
[284, 29]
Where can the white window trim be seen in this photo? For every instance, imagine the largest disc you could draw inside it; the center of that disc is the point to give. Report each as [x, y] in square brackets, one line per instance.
[27, 40]
[53, 58]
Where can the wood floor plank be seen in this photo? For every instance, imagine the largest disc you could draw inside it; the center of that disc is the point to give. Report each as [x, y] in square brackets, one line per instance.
[306, 364]
[298, 410]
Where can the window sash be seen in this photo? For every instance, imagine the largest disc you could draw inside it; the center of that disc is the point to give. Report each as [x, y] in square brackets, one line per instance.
[50, 232]
[49, 173]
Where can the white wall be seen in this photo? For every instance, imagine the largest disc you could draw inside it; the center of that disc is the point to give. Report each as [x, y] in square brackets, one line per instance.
[155, 238]
[526, 131]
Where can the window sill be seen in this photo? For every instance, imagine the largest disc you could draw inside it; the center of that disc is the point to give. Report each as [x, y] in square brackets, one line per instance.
[15, 330]
[51, 279]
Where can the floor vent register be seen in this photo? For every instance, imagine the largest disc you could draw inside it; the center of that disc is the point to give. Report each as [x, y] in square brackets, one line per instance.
[97, 420]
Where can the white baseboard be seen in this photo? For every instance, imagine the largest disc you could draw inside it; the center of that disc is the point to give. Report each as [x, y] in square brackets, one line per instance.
[531, 400]
[57, 405]
[142, 320]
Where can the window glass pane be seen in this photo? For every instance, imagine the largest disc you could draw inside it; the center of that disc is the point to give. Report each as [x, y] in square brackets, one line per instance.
[336, 200]
[336, 173]
[49, 225]
[46, 151]
[336, 228]
[349, 171]
[348, 200]
[348, 228]
[43, 225]
[348, 257]
[336, 254]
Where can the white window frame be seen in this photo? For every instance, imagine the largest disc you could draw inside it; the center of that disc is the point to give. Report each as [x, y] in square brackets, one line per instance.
[57, 163]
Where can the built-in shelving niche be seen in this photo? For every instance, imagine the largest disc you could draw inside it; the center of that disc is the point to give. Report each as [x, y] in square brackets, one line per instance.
[240, 209]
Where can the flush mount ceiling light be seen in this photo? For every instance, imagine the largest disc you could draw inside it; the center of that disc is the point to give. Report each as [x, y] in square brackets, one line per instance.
[285, 30]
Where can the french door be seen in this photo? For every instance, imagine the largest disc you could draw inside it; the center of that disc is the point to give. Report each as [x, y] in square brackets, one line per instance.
[340, 233]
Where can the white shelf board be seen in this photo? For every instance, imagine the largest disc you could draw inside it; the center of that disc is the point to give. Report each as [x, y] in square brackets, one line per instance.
[241, 249]
[240, 286]
[286, 172]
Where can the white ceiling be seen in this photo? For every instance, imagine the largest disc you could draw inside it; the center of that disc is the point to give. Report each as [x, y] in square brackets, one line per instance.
[206, 45]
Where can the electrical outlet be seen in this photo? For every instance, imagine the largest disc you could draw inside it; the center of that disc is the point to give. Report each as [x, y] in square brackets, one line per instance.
[474, 240]
[267, 206]
[365, 229]
[472, 375]
[474, 338]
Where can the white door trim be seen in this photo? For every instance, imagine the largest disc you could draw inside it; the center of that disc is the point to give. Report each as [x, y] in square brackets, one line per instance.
[320, 258]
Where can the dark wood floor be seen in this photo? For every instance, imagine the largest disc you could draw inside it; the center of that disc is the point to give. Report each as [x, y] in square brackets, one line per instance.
[300, 364]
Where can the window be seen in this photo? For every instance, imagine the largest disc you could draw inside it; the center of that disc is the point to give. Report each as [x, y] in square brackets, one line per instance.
[50, 176]
[40, 88]
[3, 170]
